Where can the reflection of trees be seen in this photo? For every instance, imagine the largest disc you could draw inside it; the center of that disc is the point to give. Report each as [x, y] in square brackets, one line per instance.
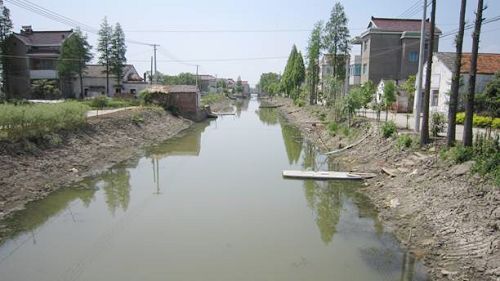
[241, 105]
[38, 212]
[116, 188]
[268, 116]
[187, 143]
[293, 142]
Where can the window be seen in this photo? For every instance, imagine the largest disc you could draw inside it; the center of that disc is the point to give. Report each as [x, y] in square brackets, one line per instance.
[435, 98]
[43, 64]
[356, 70]
[364, 68]
[413, 56]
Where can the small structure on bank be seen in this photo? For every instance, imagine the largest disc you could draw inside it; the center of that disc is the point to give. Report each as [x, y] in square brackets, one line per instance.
[179, 99]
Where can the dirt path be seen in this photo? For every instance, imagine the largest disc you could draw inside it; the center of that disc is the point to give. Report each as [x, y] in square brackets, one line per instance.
[441, 212]
[93, 113]
[30, 172]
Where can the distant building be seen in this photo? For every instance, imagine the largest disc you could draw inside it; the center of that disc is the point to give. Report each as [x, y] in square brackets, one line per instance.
[182, 98]
[442, 70]
[94, 82]
[327, 69]
[402, 100]
[246, 89]
[390, 48]
[207, 83]
[32, 56]
[355, 71]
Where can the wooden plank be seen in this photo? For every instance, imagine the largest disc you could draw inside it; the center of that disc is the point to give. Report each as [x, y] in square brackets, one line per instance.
[327, 175]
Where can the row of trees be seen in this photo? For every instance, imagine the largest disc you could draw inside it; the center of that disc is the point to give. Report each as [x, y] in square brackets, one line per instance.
[5, 31]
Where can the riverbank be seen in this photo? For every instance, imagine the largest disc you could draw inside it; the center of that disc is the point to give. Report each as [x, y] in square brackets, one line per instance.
[30, 171]
[444, 214]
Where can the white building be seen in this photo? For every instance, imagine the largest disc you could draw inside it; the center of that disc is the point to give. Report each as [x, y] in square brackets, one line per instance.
[442, 70]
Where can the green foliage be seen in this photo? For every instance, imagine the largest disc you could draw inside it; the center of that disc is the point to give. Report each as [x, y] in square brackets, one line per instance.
[368, 90]
[388, 129]
[438, 123]
[117, 55]
[389, 96]
[480, 121]
[353, 101]
[313, 52]
[488, 102]
[487, 156]
[211, 99]
[239, 85]
[269, 83]
[75, 54]
[404, 141]
[409, 85]
[137, 119]
[293, 75]
[45, 89]
[34, 121]
[145, 97]
[333, 127]
[99, 102]
[322, 116]
[459, 154]
[5, 31]
[336, 38]
[104, 45]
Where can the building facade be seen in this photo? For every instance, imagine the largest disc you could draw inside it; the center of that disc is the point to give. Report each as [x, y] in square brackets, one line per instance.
[390, 48]
[32, 56]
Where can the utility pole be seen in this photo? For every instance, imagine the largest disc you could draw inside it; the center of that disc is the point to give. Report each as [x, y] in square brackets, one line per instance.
[154, 56]
[197, 76]
[151, 74]
[418, 97]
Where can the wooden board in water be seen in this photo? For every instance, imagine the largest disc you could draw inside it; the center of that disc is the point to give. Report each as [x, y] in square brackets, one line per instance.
[327, 175]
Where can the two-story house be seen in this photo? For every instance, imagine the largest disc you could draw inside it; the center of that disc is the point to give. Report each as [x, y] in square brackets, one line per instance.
[390, 48]
[32, 55]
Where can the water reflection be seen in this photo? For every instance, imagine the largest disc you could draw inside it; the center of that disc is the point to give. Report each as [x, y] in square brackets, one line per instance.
[293, 142]
[116, 185]
[268, 116]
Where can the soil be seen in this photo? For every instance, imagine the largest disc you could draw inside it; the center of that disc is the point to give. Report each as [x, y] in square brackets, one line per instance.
[30, 171]
[443, 213]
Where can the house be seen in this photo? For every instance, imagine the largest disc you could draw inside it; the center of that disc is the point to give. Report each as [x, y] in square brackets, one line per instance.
[355, 71]
[207, 83]
[184, 99]
[32, 56]
[94, 82]
[443, 65]
[390, 48]
[327, 70]
[246, 89]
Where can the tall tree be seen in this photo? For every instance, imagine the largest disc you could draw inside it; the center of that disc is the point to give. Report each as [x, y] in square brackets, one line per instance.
[239, 85]
[455, 81]
[469, 101]
[336, 38]
[104, 48]
[298, 75]
[118, 51]
[75, 54]
[5, 31]
[424, 133]
[313, 52]
[287, 78]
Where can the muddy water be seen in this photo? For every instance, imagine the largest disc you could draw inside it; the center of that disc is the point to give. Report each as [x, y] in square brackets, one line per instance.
[208, 205]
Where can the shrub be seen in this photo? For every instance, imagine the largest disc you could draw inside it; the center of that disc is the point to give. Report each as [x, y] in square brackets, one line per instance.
[496, 123]
[404, 141]
[145, 97]
[460, 154]
[388, 129]
[322, 116]
[480, 121]
[37, 120]
[99, 102]
[333, 127]
[299, 102]
[460, 118]
[438, 123]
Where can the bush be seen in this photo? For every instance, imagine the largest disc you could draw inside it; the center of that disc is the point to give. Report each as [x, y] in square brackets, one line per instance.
[459, 154]
[211, 99]
[480, 121]
[388, 129]
[438, 123]
[99, 102]
[299, 102]
[333, 127]
[145, 97]
[404, 141]
[322, 116]
[34, 121]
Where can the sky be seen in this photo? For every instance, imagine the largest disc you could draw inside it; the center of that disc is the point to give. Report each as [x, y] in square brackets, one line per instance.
[236, 38]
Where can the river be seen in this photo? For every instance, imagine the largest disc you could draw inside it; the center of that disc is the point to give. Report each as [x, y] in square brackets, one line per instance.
[209, 204]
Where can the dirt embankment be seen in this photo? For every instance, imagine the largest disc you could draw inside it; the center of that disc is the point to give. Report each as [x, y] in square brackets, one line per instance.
[31, 171]
[442, 213]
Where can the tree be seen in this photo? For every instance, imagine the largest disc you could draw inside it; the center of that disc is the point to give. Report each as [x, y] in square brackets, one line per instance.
[5, 32]
[239, 85]
[298, 75]
[75, 54]
[352, 102]
[489, 101]
[455, 81]
[104, 48]
[269, 83]
[469, 102]
[409, 88]
[287, 78]
[367, 92]
[389, 96]
[336, 38]
[313, 52]
[118, 51]
[424, 133]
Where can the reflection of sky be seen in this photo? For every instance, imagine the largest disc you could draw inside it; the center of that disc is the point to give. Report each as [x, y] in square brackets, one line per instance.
[224, 214]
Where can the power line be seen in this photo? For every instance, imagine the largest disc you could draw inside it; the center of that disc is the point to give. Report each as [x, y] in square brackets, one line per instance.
[415, 5]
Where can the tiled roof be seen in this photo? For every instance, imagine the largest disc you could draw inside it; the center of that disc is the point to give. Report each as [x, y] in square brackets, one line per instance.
[394, 24]
[173, 89]
[206, 77]
[99, 71]
[37, 38]
[486, 63]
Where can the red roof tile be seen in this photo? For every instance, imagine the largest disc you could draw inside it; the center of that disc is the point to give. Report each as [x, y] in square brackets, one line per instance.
[486, 63]
[394, 24]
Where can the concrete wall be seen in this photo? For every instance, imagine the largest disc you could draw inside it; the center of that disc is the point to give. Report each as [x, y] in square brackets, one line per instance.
[384, 57]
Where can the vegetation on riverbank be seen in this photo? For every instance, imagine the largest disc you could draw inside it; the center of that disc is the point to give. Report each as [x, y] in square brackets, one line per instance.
[34, 121]
[210, 99]
[103, 102]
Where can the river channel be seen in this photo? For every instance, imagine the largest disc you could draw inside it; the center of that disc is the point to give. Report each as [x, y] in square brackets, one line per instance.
[209, 204]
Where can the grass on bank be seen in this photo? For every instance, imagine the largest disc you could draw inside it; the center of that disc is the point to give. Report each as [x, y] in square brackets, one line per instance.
[34, 121]
[103, 102]
[209, 99]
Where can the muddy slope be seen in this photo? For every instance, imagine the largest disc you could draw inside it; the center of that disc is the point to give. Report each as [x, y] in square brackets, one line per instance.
[30, 171]
[443, 213]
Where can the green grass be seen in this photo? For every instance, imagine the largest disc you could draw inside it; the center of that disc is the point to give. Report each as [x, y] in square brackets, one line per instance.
[34, 121]
[110, 103]
[211, 99]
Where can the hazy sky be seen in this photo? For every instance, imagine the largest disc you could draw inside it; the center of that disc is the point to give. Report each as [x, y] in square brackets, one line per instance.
[152, 21]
